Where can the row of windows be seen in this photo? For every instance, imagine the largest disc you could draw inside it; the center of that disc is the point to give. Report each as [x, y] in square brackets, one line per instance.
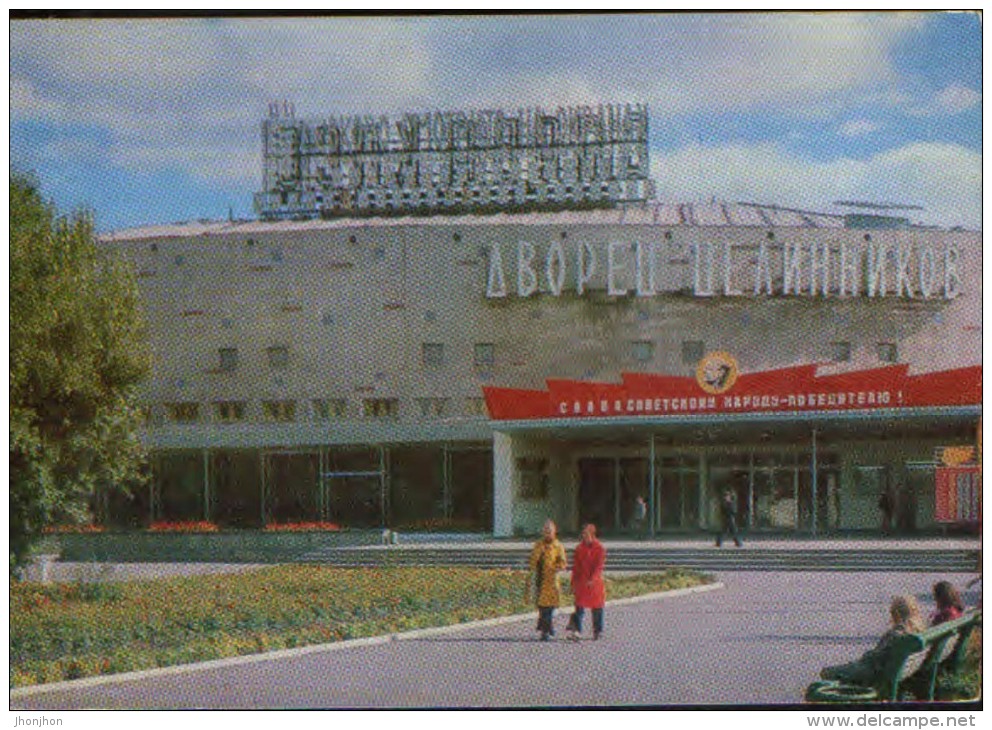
[643, 351]
[322, 409]
[693, 351]
[484, 354]
[885, 352]
[277, 357]
[432, 356]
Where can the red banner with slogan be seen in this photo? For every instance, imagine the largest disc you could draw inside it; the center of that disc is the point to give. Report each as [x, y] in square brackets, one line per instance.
[719, 388]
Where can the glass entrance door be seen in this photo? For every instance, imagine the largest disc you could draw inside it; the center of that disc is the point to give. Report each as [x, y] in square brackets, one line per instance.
[597, 501]
[677, 492]
[775, 500]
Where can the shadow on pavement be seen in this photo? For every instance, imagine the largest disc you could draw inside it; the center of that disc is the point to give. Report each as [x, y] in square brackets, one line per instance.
[483, 640]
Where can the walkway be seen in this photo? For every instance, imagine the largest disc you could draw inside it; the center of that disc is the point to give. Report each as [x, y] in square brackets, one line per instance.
[760, 639]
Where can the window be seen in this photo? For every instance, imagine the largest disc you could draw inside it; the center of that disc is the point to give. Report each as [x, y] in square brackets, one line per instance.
[229, 411]
[432, 354]
[381, 407]
[324, 409]
[433, 407]
[533, 478]
[887, 352]
[278, 357]
[228, 359]
[840, 351]
[475, 407]
[280, 411]
[186, 412]
[484, 356]
[642, 350]
[692, 351]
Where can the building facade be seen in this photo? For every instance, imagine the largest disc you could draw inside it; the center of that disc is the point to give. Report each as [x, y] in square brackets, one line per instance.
[491, 371]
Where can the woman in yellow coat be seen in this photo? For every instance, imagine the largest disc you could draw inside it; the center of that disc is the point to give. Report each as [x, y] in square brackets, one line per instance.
[546, 560]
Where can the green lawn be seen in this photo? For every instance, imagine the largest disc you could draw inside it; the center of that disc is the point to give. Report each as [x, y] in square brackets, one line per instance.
[72, 630]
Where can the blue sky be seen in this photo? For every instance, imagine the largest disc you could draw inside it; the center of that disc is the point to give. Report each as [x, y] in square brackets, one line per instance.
[158, 120]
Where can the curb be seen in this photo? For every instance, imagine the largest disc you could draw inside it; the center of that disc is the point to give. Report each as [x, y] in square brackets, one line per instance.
[317, 648]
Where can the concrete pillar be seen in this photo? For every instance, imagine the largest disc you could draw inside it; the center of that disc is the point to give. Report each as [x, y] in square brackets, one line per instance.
[504, 470]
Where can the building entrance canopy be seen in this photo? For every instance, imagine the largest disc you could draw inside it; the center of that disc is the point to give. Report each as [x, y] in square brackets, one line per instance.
[798, 451]
[719, 390]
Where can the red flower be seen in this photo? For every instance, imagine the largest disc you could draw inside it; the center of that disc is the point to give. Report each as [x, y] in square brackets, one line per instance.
[201, 526]
[302, 527]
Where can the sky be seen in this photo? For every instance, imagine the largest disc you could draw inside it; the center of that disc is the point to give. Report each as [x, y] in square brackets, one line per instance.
[148, 121]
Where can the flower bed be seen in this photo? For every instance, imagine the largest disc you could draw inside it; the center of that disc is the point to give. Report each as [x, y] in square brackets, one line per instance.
[201, 526]
[302, 527]
[66, 631]
[72, 529]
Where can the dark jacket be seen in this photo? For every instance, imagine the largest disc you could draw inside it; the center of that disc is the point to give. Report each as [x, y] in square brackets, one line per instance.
[866, 670]
[728, 508]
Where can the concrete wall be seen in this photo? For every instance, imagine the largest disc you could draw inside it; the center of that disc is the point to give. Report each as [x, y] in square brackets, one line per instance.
[354, 303]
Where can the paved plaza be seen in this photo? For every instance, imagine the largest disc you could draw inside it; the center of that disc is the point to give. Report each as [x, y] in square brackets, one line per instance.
[761, 638]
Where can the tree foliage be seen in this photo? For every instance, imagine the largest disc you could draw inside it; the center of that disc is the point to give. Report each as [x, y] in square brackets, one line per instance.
[77, 355]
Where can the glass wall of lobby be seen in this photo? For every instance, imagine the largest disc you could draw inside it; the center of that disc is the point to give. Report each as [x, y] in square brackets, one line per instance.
[432, 486]
[785, 479]
[773, 489]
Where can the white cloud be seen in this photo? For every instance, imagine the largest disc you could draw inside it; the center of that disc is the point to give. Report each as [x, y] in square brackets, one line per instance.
[955, 99]
[945, 178]
[189, 95]
[858, 128]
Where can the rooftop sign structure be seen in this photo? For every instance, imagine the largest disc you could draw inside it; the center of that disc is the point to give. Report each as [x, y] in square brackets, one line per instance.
[453, 161]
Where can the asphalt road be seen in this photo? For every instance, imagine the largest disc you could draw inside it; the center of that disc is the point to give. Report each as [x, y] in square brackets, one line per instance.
[760, 639]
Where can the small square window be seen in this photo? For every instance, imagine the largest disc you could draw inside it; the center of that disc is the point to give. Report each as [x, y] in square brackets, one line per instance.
[381, 407]
[228, 359]
[840, 351]
[278, 357]
[692, 351]
[325, 409]
[887, 352]
[642, 350]
[433, 407]
[280, 411]
[484, 356]
[229, 411]
[432, 354]
[186, 412]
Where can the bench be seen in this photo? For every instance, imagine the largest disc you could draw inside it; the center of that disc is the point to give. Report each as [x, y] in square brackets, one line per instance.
[913, 665]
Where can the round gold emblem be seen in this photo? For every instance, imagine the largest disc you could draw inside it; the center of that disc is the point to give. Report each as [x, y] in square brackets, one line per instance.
[717, 372]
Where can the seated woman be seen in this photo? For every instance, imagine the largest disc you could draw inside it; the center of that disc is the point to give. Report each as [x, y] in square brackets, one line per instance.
[949, 603]
[905, 615]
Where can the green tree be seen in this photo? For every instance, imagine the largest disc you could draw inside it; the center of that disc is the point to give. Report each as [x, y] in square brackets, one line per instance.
[77, 355]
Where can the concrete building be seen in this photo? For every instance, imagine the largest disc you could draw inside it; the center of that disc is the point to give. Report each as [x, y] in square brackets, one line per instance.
[492, 371]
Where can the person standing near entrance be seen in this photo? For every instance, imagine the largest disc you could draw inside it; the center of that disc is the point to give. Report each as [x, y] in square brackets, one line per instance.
[640, 515]
[728, 514]
[587, 583]
[887, 506]
[547, 558]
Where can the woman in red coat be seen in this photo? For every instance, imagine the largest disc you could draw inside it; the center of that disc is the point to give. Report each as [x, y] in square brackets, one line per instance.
[587, 583]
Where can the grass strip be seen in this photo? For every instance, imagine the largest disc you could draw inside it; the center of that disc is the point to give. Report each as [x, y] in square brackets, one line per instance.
[73, 630]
